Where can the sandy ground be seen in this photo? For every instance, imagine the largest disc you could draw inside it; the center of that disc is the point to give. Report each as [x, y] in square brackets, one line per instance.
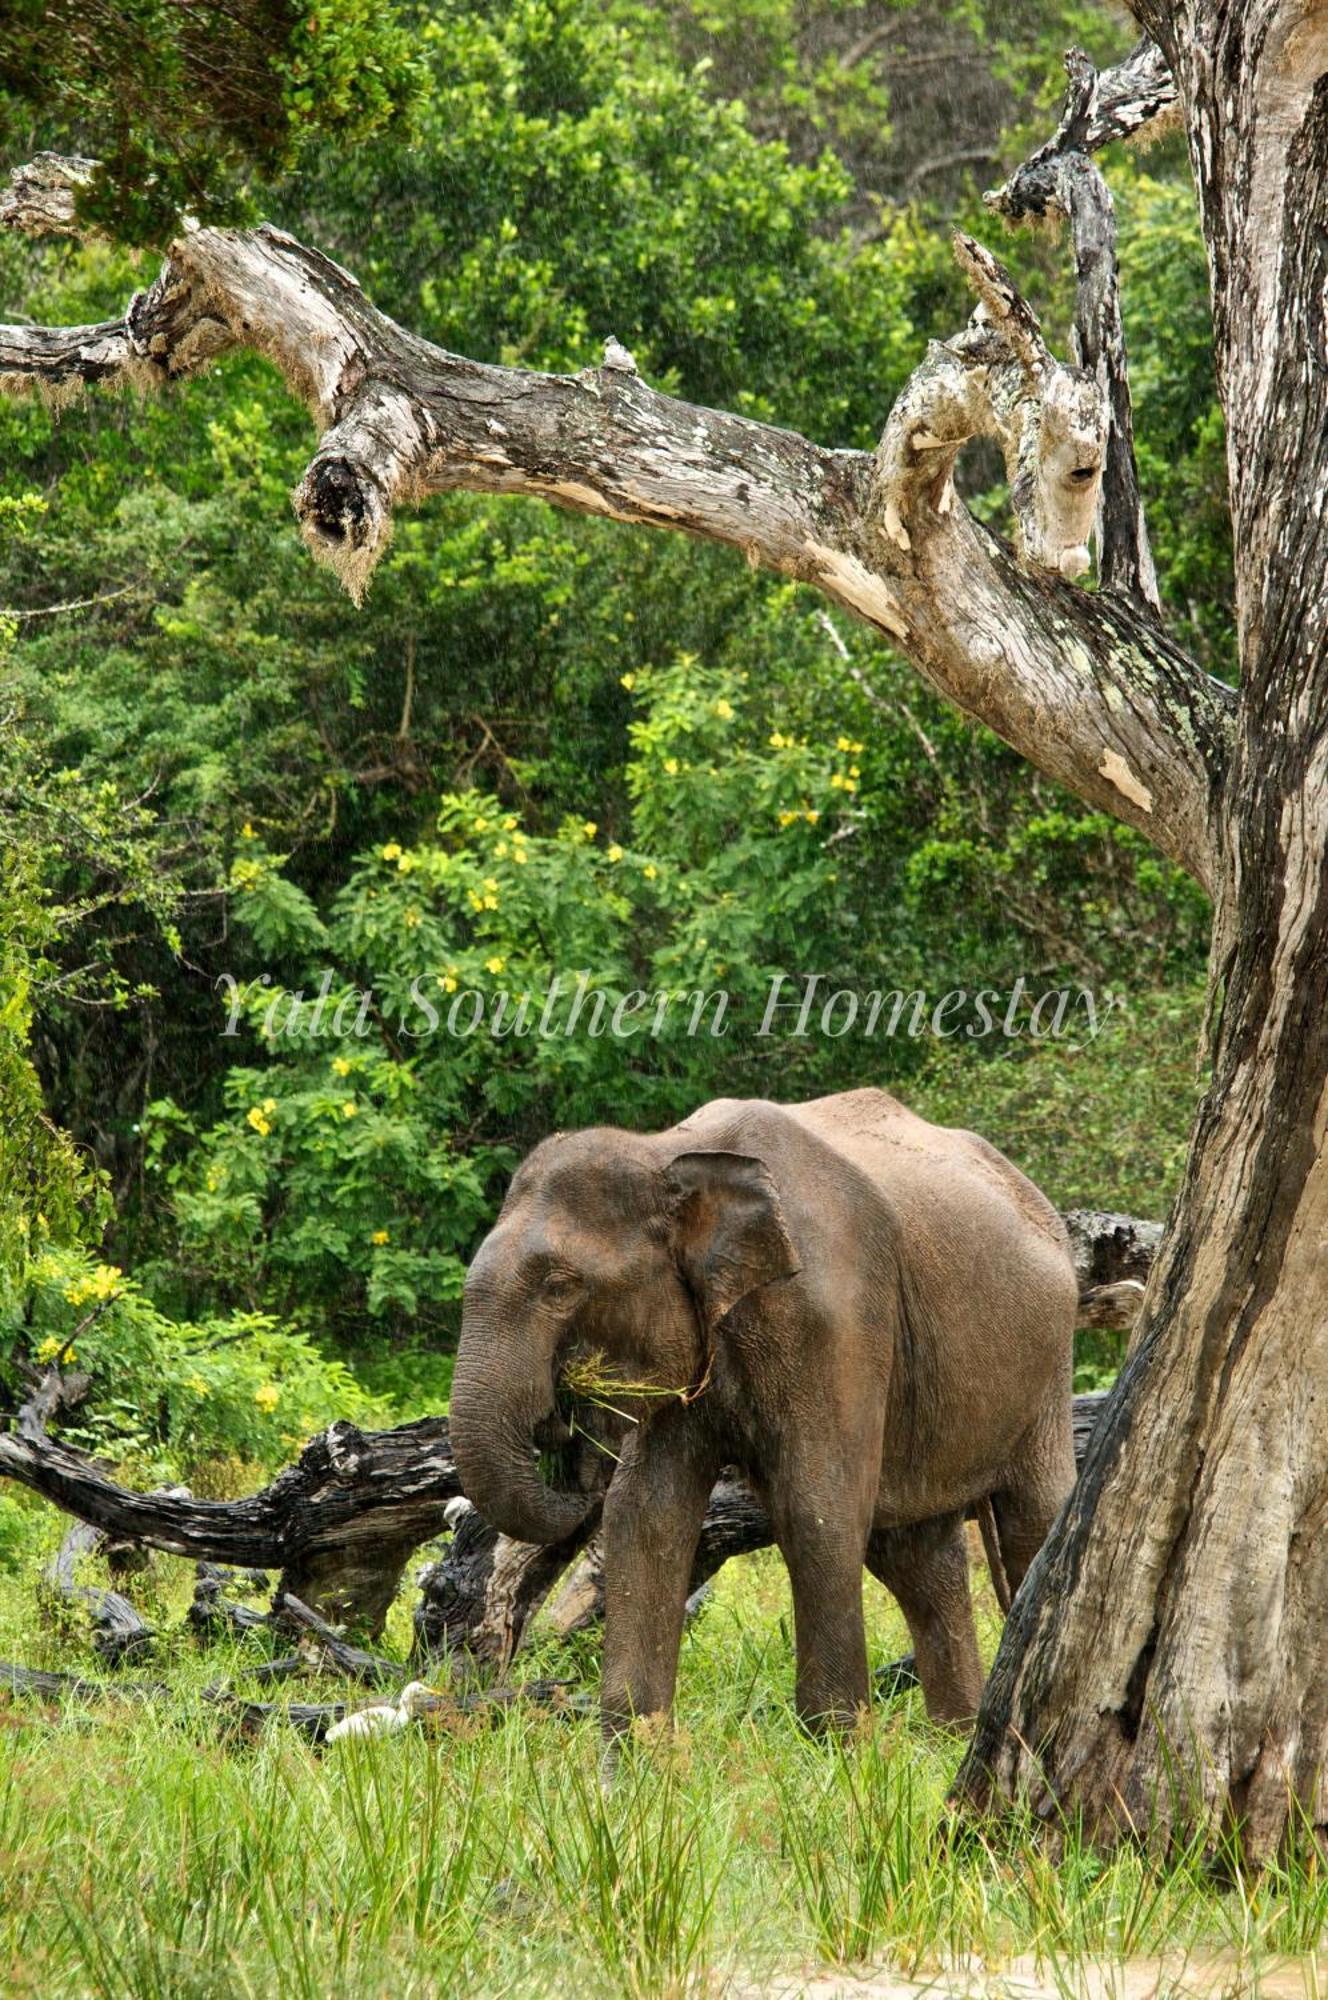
[1214, 1976]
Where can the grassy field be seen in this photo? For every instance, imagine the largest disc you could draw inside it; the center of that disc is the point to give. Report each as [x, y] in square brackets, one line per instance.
[141, 1855]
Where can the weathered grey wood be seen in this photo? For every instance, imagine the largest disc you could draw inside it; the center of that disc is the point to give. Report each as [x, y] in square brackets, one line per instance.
[212, 1614]
[311, 1719]
[340, 1524]
[1162, 1675]
[325, 1648]
[1108, 1247]
[120, 1633]
[1061, 179]
[1092, 691]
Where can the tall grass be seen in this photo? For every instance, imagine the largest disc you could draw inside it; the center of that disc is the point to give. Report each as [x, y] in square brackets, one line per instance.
[141, 1855]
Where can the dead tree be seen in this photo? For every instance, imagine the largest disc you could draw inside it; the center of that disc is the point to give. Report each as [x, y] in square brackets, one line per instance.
[1175, 1620]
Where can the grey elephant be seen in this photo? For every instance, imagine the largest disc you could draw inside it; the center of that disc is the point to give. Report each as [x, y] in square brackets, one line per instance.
[871, 1315]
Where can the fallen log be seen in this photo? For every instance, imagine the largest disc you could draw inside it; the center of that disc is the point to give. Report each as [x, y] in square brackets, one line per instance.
[340, 1524]
[212, 1614]
[118, 1631]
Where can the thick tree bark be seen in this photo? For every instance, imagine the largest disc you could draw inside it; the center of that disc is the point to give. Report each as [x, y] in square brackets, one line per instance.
[1164, 1667]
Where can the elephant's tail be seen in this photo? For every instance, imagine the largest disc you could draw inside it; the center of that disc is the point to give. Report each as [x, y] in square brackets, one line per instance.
[991, 1542]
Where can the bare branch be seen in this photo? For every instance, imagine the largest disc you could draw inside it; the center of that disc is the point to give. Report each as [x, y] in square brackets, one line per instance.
[1115, 103]
[1060, 179]
[1099, 701]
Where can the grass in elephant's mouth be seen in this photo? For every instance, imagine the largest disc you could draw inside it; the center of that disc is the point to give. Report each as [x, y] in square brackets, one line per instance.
[591, 1380]
[142, 1856]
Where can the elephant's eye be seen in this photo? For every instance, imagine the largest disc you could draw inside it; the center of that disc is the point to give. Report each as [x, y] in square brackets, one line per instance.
[560, 1284]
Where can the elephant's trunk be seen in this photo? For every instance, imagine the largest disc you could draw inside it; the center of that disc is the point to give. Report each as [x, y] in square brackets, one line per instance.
[493, 1427]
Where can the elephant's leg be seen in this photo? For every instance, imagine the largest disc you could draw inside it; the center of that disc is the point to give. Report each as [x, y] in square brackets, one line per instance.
[823, 1540]
[652, 1522]
[1030, 1498]
[926, 1569]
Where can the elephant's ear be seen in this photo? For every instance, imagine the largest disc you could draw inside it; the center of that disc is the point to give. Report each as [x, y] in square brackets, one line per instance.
[729, 1232]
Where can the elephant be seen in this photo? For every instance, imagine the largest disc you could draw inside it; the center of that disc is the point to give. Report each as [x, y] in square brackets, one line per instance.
[871, 1316]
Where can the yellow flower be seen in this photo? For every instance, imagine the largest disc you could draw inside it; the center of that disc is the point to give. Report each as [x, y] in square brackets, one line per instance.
[411, 919]
[259, 1122]
[854, 771]
[778, 741]
[494, 964]
[615, 852]
[380, 1236]
[787, 818]
[476, 900]
[650, 871]
[341, 1066]
[491, 885]
[247, 832]
[842, 743]
[392, 851]
[724, 710]
[490, 902]
[49, 1348]
[349, 1108]
[481, 824]
[628, 681]
[405, 863]
[267, 1398]
[199, 1386]
[812, 818]
[590, 829]
[100, 1285]
[500, 851]
[447, 980]
[510, 823]
[836, 781]
[671, 766]
[850, 785]
[520, 856]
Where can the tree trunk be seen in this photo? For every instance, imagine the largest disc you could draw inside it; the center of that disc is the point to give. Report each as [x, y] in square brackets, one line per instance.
[1163, 1671]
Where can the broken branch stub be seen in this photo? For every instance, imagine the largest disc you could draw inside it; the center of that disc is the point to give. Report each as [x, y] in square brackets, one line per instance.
[998, 379]
[1061, 180]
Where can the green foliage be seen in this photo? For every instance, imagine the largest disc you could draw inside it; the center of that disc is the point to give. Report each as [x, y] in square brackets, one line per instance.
[17, 1523]
[491, 982]
[182, 103]
[45, 1189]
[170, 1396]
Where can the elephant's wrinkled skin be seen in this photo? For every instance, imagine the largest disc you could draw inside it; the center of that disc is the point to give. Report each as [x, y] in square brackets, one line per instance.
[871, 1315]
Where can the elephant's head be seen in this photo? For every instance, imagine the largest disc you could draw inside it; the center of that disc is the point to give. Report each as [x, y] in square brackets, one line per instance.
[607, 1246]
